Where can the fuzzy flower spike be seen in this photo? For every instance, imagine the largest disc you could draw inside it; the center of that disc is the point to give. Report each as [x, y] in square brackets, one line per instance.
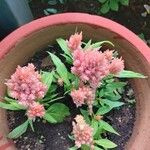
[116, 66]
[91, 66]
[26, 86]
[35, 110]
[84, 95]
[82, 132]
[75, 41]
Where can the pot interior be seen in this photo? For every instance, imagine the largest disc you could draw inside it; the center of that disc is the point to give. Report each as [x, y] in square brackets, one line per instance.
[134, 60]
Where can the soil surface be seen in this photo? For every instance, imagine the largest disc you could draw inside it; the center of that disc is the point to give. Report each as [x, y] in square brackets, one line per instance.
[55, 136]
[123, 119]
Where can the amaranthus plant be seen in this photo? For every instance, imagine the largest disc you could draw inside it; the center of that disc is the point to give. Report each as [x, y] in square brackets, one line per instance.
[91, 79]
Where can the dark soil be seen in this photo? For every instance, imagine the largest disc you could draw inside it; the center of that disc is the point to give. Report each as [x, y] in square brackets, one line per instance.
[46, 136]
[55, 136]
[123, 119]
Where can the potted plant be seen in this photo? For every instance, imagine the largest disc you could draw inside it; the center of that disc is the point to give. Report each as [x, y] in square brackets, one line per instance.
[18, 47]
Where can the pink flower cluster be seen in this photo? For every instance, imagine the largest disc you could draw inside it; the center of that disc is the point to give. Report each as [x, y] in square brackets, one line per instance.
[82, 132]
[26, 86]
[90, 66]
[116, 66]
[108, 55]
[84, 95]
[75, 41]
[35, 110]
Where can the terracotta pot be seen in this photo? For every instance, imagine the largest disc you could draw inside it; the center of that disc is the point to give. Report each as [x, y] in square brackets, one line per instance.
[19, 46]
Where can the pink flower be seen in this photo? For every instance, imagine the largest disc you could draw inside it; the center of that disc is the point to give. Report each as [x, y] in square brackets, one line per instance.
[78, 97]
[35, 110]
[108, 55]
[116, 66]
[83, 95]
[82, 132]
[91, 66]
[26, 86]
[75, 41]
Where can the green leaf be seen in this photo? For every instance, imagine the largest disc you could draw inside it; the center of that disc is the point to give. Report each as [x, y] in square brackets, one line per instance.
[46, 13]
[105, 143]
[47, 78]
[19, 130]
[114, 5]
[103, 110]
[62, 1]
[101, 93]
[99, 44]
[76, 82]
[111, 80]
[49, 118]
[85, 147]
[124, 2]
[115, 85]
[63, 45]
[129, 74]
[88, 44]
[52, 2]
[68, 59]
[111, 95]
[8, 100]
[71, 137]
[142, 36]
[49, 97]
[13, 102]
[73, 148]
[94, 125]
[31, 125]
[56, 113]
[60, 68]
[105, 8]
[51, 10]
[97, 148]
[11, 106]
[48, 101]
[107, 127]
[112, 104]
[85, 115]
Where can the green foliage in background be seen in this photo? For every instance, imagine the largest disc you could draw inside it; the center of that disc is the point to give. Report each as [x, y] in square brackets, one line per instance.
[108, 5]
[105, 5]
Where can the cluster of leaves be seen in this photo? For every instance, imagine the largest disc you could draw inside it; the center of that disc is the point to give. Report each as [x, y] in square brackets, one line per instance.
[52, 3]
[52, 6]
[113, 5]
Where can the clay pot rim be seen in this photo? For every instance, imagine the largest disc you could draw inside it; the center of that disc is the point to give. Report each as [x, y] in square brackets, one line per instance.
[120, 31]
[123, 33]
